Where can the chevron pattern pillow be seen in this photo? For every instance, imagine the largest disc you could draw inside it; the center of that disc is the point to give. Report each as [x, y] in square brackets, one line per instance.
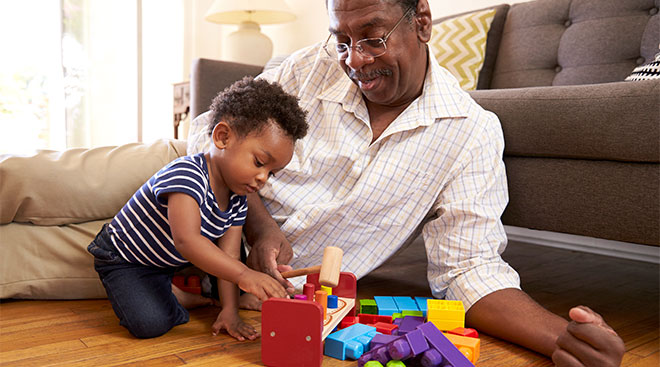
[459, 45]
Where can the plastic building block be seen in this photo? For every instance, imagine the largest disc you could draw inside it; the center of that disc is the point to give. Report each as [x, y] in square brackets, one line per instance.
[335, 315]
[386, 305]
[366, 318]
[469, 346]
[450, 354]
[385, 328]
[190, 284]
[396, 315]
[368, 306]
[405, 303]
[405, 313]
[471, 333]
[410, 345]
[409, 323]
[348, 321]
[381, 339]
[350, 342]
[332, 301]
[291, 333]
[421, 304]
[373, 364]
[394, 363]
[446, 314]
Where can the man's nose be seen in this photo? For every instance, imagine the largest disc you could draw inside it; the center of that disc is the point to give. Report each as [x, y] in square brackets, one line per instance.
[356, 59]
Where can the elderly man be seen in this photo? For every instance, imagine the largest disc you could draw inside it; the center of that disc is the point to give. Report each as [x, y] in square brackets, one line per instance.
[394, 147]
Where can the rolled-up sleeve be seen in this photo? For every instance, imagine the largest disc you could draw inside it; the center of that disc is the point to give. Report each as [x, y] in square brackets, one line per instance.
[465, 239]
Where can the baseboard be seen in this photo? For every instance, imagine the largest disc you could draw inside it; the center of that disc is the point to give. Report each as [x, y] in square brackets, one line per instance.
[624, 250]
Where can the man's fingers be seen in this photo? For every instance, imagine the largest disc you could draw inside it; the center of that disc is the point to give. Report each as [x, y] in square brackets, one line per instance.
[562, 358]
[583, 314]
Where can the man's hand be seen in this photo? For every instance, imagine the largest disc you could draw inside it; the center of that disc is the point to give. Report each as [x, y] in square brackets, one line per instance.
[269, 251]
[588, 341]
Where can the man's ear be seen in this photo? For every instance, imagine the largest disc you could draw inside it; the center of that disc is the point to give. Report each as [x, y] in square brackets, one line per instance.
[221, 134]
[423, 21]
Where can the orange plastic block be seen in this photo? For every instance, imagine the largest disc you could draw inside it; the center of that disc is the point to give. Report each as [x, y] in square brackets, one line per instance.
[467, 345]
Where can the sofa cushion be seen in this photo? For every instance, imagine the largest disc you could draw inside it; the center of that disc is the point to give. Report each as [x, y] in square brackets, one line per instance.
[647, 71]
[569, 42]
[78, 185]
[49, 262]
[492, 43]
[459, 45]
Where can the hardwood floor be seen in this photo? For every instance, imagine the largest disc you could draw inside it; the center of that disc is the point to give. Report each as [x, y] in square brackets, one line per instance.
[86, 333]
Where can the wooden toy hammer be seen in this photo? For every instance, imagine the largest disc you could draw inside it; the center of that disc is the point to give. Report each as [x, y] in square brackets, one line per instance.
[329, 268]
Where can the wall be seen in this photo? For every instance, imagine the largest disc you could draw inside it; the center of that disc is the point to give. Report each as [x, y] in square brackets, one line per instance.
[203, 39]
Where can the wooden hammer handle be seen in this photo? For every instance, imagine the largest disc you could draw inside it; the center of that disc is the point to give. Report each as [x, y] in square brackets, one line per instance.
[302, 271]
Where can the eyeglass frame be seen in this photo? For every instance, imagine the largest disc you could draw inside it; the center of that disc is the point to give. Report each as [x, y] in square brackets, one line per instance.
[358, 47]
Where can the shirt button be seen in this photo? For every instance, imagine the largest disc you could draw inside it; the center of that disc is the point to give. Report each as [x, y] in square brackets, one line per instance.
[653, 11]
[568, 23]
[557, 69]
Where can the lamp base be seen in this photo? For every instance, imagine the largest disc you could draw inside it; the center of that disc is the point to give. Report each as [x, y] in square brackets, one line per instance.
[248, 45]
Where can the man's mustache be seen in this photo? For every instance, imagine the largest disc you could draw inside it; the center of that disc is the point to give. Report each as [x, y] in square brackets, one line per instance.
[370, 75]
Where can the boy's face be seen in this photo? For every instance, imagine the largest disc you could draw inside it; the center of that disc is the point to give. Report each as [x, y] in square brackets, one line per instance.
[246, 163]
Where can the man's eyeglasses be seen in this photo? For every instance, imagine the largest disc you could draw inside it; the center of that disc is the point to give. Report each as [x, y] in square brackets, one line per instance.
[369, 47]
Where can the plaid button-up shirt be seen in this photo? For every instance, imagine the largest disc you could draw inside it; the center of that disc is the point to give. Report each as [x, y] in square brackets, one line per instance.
[438, 165]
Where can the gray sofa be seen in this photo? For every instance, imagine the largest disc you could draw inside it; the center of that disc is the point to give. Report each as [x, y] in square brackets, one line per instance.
[582, 145]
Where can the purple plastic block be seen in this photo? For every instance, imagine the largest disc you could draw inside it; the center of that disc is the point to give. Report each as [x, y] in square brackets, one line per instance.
[449, 352]
[431, 358]
[381, 339]
[366, 357]
[409, 323]
[408, 346]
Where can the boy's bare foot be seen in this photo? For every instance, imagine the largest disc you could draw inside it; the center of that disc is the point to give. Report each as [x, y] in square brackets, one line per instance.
[191, 300]
[249, 301]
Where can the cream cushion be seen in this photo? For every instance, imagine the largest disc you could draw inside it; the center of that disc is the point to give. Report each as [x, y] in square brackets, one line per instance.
[459, 45]
[52, 204]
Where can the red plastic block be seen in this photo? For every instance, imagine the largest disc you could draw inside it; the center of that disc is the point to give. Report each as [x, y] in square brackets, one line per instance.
[348, 321]
[291, 333]
[385, 328]
[470, 333]
[366, 318]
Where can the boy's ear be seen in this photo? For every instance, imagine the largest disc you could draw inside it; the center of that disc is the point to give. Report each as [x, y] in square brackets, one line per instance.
[221, 135]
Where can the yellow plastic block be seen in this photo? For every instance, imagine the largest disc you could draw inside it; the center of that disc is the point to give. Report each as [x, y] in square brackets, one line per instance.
[468, 346]
[445, 325]
[328, 290]
[445, 309]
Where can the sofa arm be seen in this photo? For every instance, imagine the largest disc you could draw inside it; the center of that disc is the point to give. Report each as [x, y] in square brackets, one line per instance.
[610, 121]
[210, 77]
[78, 185]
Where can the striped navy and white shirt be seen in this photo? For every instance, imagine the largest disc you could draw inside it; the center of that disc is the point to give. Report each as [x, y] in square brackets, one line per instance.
[141, 230]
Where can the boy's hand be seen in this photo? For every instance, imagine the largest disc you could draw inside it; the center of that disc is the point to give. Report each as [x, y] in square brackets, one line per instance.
[588, 341]
[261, 285]
[230, 321]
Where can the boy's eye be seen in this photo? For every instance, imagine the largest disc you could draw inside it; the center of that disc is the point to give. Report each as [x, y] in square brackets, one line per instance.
[258, 163]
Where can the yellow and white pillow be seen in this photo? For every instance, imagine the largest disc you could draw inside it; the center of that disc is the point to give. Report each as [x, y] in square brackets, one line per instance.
[459, 45]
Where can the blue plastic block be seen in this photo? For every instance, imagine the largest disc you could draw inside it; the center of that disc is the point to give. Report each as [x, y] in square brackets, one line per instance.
[405, 303]
[421, 304]
[386, 305]
[350, 342]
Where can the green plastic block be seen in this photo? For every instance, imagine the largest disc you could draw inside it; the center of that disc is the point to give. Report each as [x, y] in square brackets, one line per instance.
[412, 313]
[373, 364]
[368, 306]
[394, 363]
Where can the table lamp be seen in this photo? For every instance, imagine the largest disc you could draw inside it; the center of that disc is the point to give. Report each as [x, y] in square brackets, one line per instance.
[247, 44]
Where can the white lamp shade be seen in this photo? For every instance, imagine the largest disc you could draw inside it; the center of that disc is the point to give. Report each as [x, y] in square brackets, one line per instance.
[258, 11]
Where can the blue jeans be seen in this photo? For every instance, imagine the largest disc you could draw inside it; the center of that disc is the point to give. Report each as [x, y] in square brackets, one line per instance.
[141, 296]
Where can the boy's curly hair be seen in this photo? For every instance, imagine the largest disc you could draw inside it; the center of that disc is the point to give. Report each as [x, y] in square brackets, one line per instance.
[249, 104]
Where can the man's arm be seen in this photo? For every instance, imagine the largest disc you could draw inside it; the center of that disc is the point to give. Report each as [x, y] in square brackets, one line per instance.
[268, 245]
[512, 315]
